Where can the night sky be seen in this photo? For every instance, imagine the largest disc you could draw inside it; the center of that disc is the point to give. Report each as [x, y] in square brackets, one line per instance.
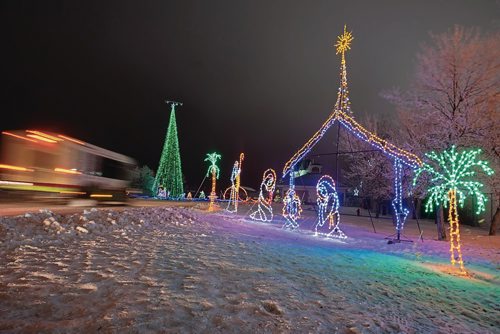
[258, 77]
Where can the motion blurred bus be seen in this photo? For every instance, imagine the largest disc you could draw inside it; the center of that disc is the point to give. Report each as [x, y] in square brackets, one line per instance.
[40, 164]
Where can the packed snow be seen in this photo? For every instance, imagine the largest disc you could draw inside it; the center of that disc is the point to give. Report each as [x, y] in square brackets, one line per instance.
[184, 270]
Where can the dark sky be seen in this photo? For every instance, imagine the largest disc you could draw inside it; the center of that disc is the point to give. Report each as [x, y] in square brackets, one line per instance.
[258, 77]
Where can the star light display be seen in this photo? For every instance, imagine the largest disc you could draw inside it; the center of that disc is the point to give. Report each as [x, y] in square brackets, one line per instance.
[169, 173]
[342, 114]
[292, 207]
[214, 170]
[328, 208]
[264, 209]
[451, 174]
[232, 205]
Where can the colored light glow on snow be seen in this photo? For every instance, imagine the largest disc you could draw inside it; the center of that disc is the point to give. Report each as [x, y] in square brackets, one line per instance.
[328, 208]
[451, 183]
[264, 209]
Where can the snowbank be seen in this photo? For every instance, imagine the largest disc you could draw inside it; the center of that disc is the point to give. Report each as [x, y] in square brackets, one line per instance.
[179, 270]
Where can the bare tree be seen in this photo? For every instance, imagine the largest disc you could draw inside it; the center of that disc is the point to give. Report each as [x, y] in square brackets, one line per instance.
[368, 167]
[455, 98]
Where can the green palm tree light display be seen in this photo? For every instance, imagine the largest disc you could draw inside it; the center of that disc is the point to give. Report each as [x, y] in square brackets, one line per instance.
[214, 170]
[452, 182]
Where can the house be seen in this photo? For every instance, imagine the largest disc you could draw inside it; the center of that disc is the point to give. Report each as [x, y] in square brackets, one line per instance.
[306, 179]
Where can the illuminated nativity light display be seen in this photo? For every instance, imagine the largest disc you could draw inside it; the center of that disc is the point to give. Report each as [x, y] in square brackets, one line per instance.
[451, 183]
[234, 189]
[343, 115]
[213, 170]
[264, 210]
[328, 208]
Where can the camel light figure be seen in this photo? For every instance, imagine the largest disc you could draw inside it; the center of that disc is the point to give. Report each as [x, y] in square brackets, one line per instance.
[264, 209]
[328, 208]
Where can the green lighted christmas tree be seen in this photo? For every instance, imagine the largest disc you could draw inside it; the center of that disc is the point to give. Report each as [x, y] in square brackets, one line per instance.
[169, 174]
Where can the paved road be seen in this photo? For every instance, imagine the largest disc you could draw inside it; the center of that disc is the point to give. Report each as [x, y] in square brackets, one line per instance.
[18, 208]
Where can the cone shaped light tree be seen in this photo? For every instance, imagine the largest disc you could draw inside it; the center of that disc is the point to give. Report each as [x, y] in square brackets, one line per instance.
[451, 181]
[169, 174]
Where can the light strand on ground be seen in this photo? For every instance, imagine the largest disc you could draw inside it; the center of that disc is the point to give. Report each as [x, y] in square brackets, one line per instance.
[264, 204]
[328, 208]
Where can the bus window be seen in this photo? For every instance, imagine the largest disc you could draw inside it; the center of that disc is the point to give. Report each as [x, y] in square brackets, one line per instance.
[113, 169]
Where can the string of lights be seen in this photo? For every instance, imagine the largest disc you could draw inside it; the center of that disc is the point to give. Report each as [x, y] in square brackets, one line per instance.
[292, 207]
[264, 210]
[328, 208]
[400, 212]
[451, 183]
[213, 169]
[234, 197]
[342, 113]
[169, 174]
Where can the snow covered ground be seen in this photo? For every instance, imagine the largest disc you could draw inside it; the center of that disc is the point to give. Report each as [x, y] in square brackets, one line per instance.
[184, 270]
